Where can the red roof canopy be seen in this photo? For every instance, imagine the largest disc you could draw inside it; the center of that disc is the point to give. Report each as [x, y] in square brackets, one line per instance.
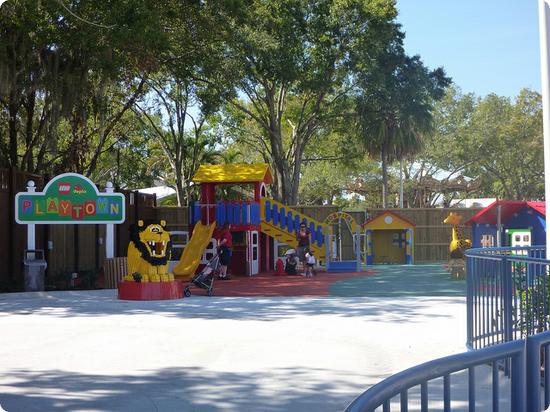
[507, 210]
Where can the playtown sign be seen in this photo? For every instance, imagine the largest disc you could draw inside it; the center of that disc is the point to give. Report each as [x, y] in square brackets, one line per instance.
[69, 198]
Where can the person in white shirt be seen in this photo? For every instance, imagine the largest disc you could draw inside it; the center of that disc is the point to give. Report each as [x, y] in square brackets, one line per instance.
[310, 264]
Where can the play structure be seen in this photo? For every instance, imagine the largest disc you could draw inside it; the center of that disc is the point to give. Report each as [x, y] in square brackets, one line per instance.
[343, 228]
[255, 219]
[389, 239]
[344, 256]
[509, 223]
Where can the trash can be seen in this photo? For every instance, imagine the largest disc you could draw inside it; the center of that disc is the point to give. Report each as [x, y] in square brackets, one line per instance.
[35, 267]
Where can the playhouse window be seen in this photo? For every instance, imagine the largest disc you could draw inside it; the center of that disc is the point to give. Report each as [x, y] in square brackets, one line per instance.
[518, 238]
[526, 238]
[487, 240]
[399, 240]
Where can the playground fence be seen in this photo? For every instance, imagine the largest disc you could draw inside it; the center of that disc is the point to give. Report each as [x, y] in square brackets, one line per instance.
[508, 294]
[508, 318]
[516, 365]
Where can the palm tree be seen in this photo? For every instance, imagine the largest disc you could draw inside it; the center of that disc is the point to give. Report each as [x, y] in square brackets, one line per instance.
[396, 113]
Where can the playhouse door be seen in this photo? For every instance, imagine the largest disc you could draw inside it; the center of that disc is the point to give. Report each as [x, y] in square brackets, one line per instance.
[253, 250]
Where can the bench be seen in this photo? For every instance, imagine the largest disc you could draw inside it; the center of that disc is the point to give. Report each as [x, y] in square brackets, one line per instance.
[114, 269]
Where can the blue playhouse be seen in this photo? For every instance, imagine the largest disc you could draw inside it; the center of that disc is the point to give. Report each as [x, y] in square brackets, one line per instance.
[522, 223]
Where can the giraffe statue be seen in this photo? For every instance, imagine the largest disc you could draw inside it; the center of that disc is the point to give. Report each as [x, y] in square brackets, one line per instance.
[458, 244]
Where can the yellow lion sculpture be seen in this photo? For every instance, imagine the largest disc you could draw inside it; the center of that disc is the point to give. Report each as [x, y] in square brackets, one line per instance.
[149, 251]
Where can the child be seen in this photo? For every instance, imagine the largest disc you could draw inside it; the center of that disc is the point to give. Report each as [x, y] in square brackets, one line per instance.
[291, 264]
[310, 264]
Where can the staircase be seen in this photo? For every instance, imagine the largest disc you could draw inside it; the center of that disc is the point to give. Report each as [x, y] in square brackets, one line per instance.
[281, 222]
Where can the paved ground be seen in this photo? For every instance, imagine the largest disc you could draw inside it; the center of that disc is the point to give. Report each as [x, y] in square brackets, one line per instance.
[87, 351]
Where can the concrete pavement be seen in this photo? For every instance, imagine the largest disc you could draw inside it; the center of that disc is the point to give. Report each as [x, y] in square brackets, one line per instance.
[87, 351]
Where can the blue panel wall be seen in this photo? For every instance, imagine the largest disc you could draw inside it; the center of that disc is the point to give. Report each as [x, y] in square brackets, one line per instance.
[255, 213]
[267, 211]
[479, 230]
[526, 218]
[246, 214]
[196, 216]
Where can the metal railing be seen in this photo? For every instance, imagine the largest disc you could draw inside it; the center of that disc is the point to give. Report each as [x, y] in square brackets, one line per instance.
[520, 360]
[508, 316]
[508, 294]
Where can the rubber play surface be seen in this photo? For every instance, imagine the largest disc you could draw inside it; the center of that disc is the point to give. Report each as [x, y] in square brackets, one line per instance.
[270, 284]
[383, 280]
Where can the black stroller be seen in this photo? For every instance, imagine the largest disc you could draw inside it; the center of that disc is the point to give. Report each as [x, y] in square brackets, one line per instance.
[205, 278]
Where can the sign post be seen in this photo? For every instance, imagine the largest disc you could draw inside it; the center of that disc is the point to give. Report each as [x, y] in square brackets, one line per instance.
[110, 230]
[31, 227]
[544, 34]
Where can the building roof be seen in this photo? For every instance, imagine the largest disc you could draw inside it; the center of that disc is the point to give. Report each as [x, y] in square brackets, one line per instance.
[375, 220]
[234, 173]
[507, 209]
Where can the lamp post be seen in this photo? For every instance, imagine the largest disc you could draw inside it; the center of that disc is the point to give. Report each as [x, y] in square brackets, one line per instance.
[544, 26]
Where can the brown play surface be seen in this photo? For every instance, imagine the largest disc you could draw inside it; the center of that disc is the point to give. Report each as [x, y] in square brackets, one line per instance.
[271, 284]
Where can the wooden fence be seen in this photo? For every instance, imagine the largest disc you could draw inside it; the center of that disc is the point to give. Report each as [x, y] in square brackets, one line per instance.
[81, 248]
[432, 237]
[68, 248]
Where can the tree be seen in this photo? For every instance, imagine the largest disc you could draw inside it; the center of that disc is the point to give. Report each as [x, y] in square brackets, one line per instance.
[505, 145]
[494, 141]
[296, 62]
[394, 106]
[68, 75]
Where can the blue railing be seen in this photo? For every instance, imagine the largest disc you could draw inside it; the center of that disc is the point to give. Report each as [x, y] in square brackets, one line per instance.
[235, 213]
[519, 360]
[508, 294]
[508, 316]
[288, 219]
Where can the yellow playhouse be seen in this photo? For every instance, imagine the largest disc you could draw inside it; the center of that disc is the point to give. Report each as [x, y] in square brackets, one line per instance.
[390, 239]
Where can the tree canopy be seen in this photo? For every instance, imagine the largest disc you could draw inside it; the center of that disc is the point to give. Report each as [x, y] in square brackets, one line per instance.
[142, 92]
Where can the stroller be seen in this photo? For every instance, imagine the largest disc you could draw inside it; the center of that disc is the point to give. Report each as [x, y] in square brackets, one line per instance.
[205, 278]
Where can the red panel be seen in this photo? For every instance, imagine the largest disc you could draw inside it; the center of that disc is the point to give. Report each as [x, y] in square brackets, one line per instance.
[150, 290]
[539, 207]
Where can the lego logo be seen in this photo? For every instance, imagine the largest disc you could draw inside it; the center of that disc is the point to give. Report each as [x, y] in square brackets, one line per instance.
[64, 188]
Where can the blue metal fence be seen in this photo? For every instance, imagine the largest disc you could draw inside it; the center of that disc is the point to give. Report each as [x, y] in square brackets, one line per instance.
[508, 316]
[508, 294]
[519, 360]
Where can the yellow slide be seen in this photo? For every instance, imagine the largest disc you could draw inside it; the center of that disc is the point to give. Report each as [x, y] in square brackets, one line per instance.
[191, 256]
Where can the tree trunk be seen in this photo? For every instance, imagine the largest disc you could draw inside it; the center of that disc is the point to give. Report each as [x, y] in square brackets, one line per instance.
[384, 178]
[27, 161]
[13, 109]
[180, 190]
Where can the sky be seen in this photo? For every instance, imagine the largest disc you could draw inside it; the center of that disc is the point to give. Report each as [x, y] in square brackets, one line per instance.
[486, 46]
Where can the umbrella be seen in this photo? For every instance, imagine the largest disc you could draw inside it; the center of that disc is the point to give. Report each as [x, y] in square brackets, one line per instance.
[290, 252]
